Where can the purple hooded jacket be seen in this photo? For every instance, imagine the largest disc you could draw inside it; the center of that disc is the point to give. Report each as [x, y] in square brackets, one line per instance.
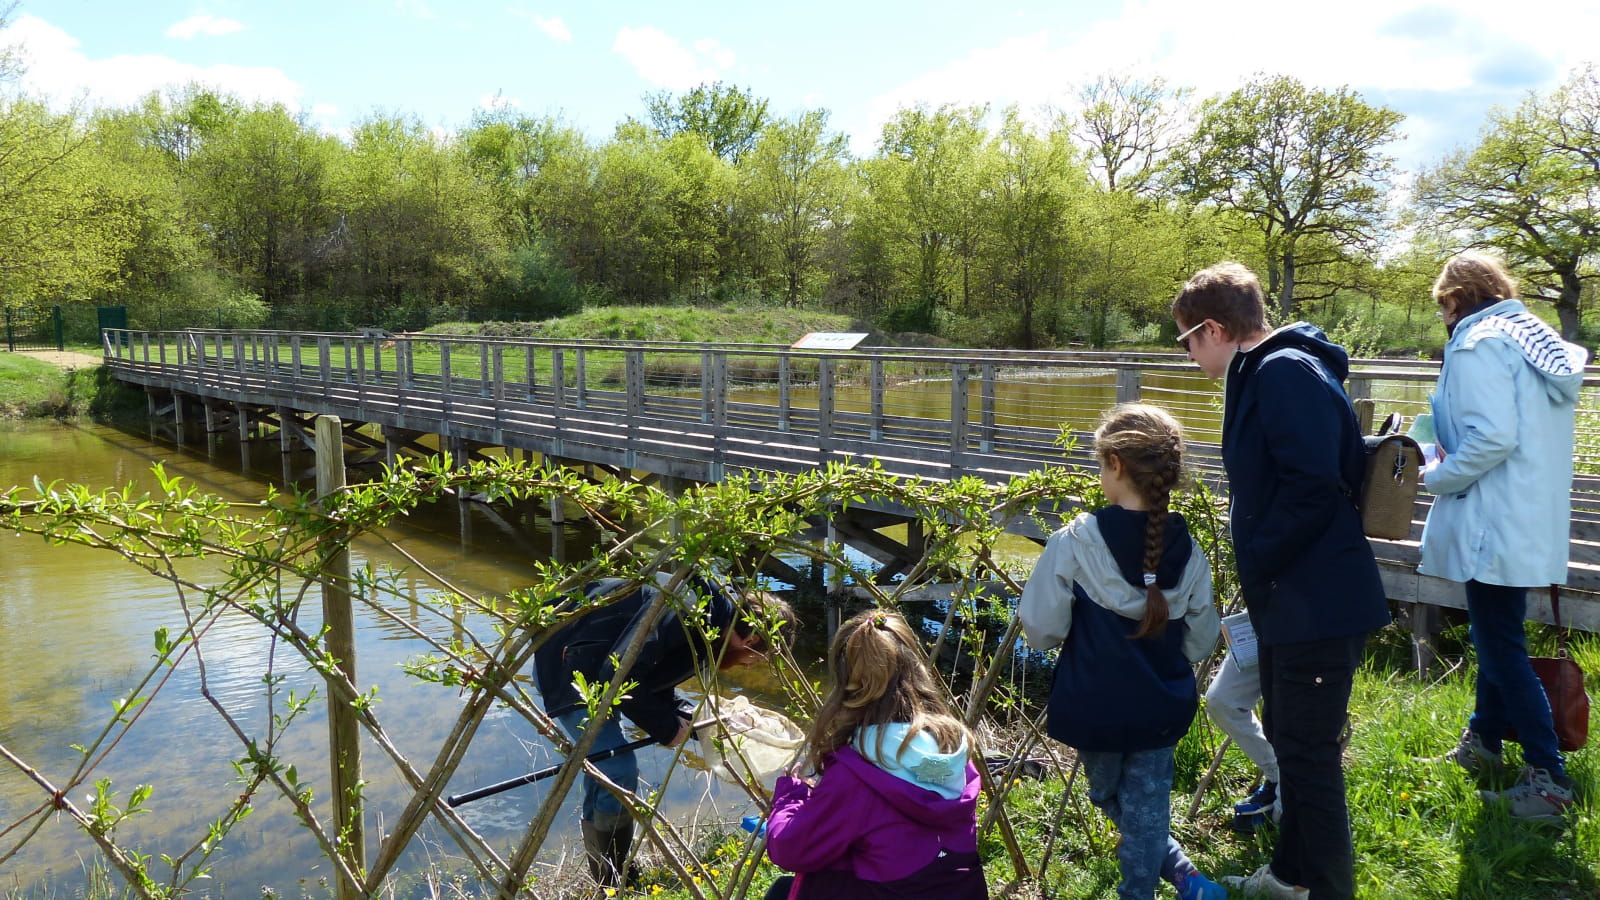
[869, 823]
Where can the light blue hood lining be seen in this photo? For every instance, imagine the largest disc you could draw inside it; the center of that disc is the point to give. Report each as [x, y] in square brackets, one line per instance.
[922, 763]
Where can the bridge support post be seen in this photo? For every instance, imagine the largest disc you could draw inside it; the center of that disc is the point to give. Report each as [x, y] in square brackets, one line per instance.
[344, 728]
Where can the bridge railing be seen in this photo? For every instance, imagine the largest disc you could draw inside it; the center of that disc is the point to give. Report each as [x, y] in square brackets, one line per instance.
[697, 410]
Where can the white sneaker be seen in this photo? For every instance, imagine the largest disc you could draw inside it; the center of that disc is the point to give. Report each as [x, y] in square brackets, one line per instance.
[1262, 883]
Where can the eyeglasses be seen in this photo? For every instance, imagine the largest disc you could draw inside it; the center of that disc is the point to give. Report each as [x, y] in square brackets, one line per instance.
[1183, 339]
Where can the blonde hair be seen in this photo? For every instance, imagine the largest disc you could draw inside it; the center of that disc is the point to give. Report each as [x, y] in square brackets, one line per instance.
[879, 678]
[1469, 278]
[1148, 442]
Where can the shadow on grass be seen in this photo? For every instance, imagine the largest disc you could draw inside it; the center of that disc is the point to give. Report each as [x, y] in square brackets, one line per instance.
[1504, 858]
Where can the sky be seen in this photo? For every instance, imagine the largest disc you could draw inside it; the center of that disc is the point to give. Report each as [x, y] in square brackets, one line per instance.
[1444, 65]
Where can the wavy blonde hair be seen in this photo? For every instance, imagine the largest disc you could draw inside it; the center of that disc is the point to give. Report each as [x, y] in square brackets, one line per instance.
[879, 678]
[1469, 278]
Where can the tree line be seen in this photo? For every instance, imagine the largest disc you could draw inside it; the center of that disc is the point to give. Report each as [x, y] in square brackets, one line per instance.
[979, 224]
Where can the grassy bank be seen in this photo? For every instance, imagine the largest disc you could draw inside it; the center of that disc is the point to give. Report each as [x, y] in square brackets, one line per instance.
[34, 389]
[692, 324]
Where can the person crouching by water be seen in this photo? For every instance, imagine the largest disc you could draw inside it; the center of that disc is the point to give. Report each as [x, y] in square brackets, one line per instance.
[672, 653]
[891, 809]
[1126, 593]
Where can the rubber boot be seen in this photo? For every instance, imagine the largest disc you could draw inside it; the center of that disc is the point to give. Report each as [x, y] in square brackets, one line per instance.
[606, 842]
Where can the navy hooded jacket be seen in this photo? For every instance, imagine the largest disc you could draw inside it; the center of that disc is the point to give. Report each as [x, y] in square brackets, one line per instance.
[670, 654]
[1294, 457]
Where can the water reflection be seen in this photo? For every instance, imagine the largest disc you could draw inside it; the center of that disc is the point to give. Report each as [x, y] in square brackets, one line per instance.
[79, 623]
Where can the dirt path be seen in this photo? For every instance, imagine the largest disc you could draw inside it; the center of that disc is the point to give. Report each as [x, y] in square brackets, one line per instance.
[65, 359]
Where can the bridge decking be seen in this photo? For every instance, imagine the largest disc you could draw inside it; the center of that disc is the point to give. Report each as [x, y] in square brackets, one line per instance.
[698, 411]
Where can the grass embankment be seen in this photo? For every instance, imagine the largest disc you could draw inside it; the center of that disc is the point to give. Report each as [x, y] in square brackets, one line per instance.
[34, 388]
[689, 324]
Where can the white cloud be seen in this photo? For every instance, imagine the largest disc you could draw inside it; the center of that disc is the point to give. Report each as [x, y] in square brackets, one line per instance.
[204, 23]
[555, 28]
[59, 71]
[661, 60]
[1408, 55]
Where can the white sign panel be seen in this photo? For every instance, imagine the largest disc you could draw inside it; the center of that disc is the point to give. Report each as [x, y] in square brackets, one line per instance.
[829, 340]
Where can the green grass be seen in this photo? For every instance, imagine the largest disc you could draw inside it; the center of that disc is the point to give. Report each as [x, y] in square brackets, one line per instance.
[1421, 831]
[32, 388]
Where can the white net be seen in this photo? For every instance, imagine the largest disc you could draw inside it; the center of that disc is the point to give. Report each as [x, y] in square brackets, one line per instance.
[748, 743]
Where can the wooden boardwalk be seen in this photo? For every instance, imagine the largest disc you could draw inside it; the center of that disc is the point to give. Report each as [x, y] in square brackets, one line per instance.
[699, 411]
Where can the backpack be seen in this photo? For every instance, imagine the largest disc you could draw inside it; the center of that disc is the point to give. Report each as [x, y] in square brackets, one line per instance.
[1388, 490]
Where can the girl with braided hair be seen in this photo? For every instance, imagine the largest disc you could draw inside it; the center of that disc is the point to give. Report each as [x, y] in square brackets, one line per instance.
[884, 805]
[1125, 592]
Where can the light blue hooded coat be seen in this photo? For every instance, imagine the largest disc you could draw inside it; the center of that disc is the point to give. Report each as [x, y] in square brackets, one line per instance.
[1503, 414]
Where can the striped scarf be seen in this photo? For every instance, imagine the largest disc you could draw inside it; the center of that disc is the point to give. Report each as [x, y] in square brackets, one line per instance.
[1540, 343]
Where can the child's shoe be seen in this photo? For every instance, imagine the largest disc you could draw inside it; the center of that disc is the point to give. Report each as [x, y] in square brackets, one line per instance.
[1195, 886]
[1258, 809]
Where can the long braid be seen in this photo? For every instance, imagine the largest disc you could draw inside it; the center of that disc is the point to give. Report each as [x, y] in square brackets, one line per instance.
[1148, 442]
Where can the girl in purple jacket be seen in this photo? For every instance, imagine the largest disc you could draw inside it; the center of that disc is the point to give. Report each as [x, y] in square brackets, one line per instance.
[891, 808]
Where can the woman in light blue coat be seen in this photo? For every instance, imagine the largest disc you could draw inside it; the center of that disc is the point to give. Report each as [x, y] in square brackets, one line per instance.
[1503, 416]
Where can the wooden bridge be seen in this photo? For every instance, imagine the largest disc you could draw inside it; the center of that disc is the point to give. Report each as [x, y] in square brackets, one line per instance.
[693, 412]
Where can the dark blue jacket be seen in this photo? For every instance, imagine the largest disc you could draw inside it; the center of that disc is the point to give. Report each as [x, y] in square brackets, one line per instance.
[670, 654]
[1294, 458]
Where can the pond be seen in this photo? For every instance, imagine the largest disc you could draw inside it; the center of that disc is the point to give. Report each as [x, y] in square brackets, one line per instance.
[79, 625]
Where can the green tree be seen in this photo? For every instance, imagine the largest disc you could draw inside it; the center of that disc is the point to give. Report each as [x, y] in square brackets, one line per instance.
[727, 117]
[417, 229]
[66, 215]
[1303, 167]
[924, 206]
[1531, 189]
[792, 187]
[1128, 126]
[1034, 188]
[259, 189]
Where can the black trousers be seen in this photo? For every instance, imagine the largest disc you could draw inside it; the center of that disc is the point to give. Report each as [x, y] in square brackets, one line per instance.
[1305, 692]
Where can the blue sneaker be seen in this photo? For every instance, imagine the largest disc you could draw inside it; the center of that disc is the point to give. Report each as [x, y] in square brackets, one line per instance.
[1260, 808]
[1195, 886]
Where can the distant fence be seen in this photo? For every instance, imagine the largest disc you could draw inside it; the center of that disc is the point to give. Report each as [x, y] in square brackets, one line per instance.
[53, 327]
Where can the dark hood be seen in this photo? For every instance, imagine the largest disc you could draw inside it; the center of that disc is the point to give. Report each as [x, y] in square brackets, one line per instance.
[1123, 530]
[1302, 336]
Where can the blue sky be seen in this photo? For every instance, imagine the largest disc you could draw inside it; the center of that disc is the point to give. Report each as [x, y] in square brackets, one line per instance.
[338, 61]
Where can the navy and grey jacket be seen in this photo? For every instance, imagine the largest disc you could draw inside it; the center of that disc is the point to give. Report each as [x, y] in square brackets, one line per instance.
[1294, 457]
[1111, 693]
[671, 654]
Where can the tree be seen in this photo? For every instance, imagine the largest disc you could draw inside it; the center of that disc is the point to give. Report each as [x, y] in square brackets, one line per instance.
[923, 206]
[1128, 126]
[1531, 190]
[793, 184]
[259, 189]
[1303, 168]
[728, 118]
[1034, 189]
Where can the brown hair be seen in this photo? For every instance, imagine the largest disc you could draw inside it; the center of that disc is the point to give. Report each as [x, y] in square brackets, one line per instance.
[1470, 278]
[764, 614]
[1228, 294]
[880, 677]
[1148, 442]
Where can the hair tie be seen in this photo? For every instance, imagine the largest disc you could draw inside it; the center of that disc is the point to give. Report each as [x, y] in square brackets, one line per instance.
[1149, 579]
[879, 620]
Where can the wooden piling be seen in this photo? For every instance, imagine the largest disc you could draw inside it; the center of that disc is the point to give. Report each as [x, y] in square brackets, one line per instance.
[344, 728]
